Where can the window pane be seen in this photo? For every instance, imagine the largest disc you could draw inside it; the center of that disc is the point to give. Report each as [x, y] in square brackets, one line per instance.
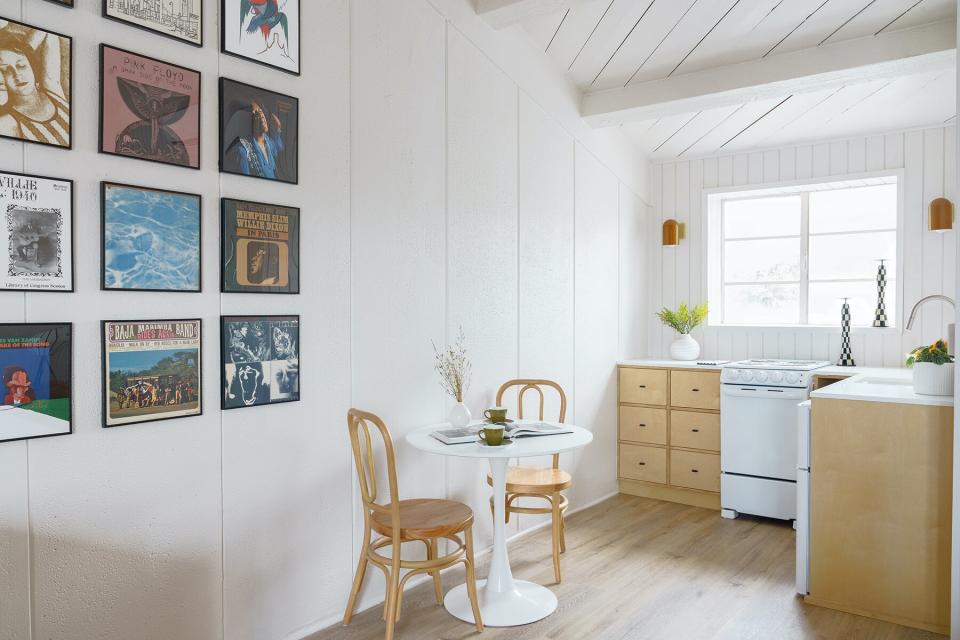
[762, 304]
[762, 217]
[853, 255]
[856, 209]
[761, 260]
[825, 302]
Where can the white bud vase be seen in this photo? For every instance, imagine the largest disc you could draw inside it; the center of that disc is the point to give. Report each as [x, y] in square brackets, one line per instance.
[459, 415]
[931, 379]
[685, 348]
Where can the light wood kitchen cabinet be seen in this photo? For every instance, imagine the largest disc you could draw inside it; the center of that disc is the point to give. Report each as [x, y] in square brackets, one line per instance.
[669, 433]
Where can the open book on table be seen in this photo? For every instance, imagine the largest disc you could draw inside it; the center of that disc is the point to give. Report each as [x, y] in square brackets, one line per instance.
[463, 435]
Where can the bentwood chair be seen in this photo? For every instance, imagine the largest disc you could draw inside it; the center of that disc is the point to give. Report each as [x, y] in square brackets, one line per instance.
[399, 521]
[538, 482]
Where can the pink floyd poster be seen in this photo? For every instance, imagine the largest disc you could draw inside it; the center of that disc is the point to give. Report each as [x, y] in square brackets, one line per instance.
[149, 109]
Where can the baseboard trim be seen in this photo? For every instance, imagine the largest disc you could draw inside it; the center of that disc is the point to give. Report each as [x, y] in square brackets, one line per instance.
[692, 497]
[331, 621]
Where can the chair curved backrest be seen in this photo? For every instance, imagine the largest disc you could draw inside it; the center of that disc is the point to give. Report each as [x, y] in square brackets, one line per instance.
[362, 443]
[528, 384]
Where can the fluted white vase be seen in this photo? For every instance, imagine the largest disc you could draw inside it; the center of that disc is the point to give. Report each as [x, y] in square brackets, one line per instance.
[459, 415]
[931, 379]
[685, 348]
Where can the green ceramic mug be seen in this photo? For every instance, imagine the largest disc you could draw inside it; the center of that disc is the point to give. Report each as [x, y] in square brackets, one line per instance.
[492, 435]
[496, 414]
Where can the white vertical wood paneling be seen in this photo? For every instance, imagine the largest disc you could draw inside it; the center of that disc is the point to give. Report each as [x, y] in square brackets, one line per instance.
[596, 320]
[928, 160]
[481, 239]
[656, 285]
[635, 313]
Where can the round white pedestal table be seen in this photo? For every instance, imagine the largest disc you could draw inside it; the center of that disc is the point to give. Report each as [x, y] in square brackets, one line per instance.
[504, 602]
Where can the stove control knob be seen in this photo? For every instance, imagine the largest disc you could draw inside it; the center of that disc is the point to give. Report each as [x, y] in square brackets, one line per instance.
[733, 374]
[747, 375]
[761, 376]
[776, 376]
[794, 378]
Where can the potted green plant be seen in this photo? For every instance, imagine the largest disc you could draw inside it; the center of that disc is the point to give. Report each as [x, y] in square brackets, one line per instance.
[932, 369]
[683, 321]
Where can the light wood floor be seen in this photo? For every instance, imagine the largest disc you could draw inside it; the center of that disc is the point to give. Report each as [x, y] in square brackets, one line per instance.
[638, 569]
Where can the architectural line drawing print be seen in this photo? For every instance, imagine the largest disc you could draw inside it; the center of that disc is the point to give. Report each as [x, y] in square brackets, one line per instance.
[179, 19]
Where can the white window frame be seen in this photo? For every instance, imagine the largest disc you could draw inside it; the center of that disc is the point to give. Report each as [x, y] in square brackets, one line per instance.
[714, 201]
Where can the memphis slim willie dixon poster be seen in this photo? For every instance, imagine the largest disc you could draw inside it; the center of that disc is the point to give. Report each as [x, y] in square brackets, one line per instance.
[260, 247]
[35, 369]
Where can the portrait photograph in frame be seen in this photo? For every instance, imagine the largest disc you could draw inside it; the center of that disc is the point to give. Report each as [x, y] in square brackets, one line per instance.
[260, 360]
[259, 132]
[44, 63]
[259, 247]
[36, 380]
[149, 109]
[36, 233]
[152, 370]
[181, 20]
[150, 239]
[263, 31]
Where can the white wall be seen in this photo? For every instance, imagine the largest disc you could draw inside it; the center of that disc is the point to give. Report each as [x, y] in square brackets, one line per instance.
[446, 181]
[928, 160]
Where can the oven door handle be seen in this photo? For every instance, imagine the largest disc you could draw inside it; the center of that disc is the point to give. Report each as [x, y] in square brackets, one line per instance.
[767, 393]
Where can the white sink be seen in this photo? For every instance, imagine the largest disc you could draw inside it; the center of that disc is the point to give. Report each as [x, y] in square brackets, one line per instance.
[884, 381]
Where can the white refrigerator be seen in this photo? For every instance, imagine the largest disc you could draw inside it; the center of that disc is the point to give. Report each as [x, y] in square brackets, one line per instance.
[803, 499]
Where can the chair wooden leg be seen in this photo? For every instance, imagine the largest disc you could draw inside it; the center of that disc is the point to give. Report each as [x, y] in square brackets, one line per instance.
[358, 579]
[557, 523]
[563, 533]
[437, 586]
[393, 593]
[472, 577]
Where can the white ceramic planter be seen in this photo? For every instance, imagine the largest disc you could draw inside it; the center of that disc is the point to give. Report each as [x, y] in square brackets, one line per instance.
[685, 348]
[933, 379]
[459, 415]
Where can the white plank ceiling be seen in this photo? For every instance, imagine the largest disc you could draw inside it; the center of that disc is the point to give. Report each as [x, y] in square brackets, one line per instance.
[610, 44]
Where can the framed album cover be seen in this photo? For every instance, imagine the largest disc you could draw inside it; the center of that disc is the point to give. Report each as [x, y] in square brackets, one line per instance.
[260, 360]
[36, 100]
[63, 3]
[181, 20]
[258, 132]
[149, 109]
[150, 239]
[262, 31]
[35, 369]
[36, 233]
[259, 247]
[151, 371]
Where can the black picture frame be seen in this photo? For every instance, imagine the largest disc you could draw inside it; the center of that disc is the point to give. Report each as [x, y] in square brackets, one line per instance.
[228, 251]
[222, 151]
[226, 360]
[105, 13]
[105, 392]
[69, 375]
[71, 231]
[63, 3]
[236, 54]
[102, 114]
[68, 99]
[104, 185]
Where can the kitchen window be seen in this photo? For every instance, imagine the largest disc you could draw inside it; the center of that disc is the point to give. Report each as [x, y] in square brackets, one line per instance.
[786, 256]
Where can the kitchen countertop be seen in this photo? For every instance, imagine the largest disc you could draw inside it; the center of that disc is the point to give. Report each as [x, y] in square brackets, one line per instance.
[670, 364]
[899, 390]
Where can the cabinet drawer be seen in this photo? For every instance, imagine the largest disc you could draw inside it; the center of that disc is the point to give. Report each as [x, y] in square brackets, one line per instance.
[643, 463]
[695, 430]
[695, 389]
[643, 386]
[695, 470]
[643, 424]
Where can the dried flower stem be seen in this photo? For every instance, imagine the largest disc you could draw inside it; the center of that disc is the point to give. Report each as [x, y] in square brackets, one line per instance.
[454, 367]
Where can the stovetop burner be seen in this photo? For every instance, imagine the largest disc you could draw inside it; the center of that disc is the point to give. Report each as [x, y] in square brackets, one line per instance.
[769, 363]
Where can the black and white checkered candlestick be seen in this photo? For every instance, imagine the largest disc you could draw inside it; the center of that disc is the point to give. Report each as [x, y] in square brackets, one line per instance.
[846, 355]
[880, 317]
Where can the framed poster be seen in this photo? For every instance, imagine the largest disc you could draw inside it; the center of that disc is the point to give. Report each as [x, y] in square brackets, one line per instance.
[149, 109]
[150, 239]
[63, 3]
[36, 233]
[181, 20]
[263, 31]
[35, 100]
[258, 132]
[259, 247]
[260, 360]
[151, 371]
[35, 367]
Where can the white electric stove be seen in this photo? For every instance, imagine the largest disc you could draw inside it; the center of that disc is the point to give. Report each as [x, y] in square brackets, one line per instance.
[758, 435]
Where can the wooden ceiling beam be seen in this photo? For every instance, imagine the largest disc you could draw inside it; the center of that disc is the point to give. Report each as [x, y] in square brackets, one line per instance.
[503, 13]
[889, 54]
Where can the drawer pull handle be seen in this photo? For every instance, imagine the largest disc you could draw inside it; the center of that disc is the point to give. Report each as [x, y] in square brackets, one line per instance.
[695, 390]
[642, 386]
[642, 424]
[696, 430]
[695, 470]
[642, 464]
